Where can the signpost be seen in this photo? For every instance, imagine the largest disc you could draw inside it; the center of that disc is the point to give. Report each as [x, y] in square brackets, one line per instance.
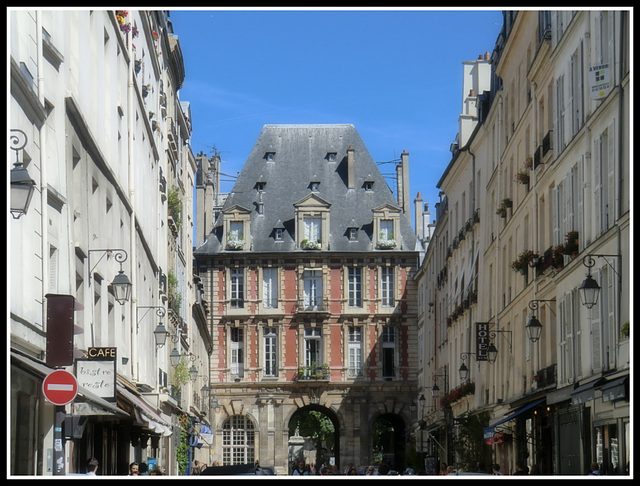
[59, 387]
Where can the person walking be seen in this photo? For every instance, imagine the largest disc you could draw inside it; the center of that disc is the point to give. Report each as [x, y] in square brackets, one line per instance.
[92, 467]
[594, 470]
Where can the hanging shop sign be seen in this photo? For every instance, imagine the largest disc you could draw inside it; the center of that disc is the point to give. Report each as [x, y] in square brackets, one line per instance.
[97, 373]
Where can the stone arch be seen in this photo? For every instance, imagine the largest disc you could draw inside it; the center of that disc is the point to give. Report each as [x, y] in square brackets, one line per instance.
[333, 415]
[389, 447]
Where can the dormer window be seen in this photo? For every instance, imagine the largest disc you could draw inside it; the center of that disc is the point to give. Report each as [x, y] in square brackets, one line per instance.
[368, 185]
[386, 224]
[331, 156]
[314, 186]
[270, 156]
[260, 186]
[236, 228]
[278, 234]
[353, 234]
[312, 223]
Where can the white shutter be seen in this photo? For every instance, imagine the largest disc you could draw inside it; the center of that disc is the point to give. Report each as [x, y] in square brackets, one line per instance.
[555, 207]
[597, 186]
[596, 332]
[580, 222]
[611, 177]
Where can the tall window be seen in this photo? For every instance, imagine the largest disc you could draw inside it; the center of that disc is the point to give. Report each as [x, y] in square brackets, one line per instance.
[312, 280]
[386, 287]
[388, 352]
[237, 352]
[238, 441]
[355, 286]
[312, 347]
[270, 288]
[237, 288]
[355, 351]
[270, 365]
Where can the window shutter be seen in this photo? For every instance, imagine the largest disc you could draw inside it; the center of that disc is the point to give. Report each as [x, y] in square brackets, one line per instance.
[596, 333]
[611, 177]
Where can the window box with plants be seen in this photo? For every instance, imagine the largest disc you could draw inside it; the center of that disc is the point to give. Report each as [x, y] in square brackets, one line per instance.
[524, 260]
[311, 245]
[386, 242]
[237, 244]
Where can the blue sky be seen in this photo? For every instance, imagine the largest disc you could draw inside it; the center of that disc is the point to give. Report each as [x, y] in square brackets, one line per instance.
[396, 75]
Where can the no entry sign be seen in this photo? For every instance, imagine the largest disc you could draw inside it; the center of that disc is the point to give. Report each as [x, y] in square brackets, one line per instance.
[60, 387]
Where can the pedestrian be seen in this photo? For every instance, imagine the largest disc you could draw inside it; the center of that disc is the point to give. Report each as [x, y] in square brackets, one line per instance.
[143, 469]
[156, 471]
[195, 470]
[594, 470]
[409, 471]
[347, 470]
[443, 469]
[92, 467]
[133, 469]
[495, 470]
[521, 469]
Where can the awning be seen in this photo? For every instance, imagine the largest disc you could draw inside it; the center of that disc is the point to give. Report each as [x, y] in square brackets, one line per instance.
[584, 393]
[145, 414]
[489, 432]
[614, 389]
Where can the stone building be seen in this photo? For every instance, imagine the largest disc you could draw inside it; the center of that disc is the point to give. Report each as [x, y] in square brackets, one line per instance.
[543, 372]
[308, 271]
[102, 133]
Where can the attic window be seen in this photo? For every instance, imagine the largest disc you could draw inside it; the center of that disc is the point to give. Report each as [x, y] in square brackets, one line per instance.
[314, 185]
[260, 186]
[331, 156]
[278, 234]
[270, 156]
[353, 234]
[368, 185]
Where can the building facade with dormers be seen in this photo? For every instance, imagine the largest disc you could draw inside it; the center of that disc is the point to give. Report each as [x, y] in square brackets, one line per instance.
[308, 272]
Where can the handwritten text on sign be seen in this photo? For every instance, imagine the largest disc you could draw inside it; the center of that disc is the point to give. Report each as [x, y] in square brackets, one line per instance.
[97, 376]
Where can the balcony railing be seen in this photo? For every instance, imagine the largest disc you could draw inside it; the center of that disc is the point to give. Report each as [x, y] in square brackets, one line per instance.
[313, 306]
[313, 373]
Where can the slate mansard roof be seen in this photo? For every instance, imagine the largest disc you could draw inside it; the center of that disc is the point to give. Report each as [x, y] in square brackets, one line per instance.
[284, 162]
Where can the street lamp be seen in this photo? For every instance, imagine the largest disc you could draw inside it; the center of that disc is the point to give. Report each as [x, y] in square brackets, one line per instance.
[121, 284]
[589, 289]
[533, 327]
[22, 186]
[174, 357]
[160, 334]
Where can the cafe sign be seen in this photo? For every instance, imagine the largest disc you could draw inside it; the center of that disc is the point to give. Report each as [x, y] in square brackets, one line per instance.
[97, 372]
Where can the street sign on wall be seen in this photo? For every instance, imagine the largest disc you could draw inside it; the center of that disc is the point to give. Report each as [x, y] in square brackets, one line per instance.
[60, 387]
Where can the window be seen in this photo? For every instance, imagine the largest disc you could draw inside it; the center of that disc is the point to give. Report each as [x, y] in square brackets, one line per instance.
[270, 156]
[237, 352]
[238, 441]
[237, 288]
[270, 288]
[331, 156]
[355, 286]
[388, 352]
[355, 351]
[312, 280]
[386, 229]
[312, 348]
[353, 234]
[314, 186]
[386, 287]
[312, 230]
[236, 232]
[278, 234]
[368, 185]
[270, 365]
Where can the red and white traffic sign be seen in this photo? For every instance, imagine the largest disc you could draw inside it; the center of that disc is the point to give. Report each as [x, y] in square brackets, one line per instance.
[60, 387]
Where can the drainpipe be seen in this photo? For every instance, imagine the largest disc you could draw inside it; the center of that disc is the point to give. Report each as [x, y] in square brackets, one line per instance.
[132, 228]
[44, 192]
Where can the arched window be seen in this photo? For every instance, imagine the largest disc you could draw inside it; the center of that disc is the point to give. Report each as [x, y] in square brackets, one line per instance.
[238, 441]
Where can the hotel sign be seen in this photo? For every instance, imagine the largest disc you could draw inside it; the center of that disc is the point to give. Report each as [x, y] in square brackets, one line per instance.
[97, 373]
[482, 341]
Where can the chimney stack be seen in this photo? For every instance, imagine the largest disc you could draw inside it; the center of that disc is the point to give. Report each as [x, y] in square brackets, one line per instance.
[402, 171]
[351, 176]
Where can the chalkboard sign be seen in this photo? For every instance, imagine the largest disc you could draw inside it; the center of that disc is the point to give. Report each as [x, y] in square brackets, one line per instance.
[97, 376]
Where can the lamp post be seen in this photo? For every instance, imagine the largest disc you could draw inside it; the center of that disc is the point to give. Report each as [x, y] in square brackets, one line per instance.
[22, 186]
[160, 333]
